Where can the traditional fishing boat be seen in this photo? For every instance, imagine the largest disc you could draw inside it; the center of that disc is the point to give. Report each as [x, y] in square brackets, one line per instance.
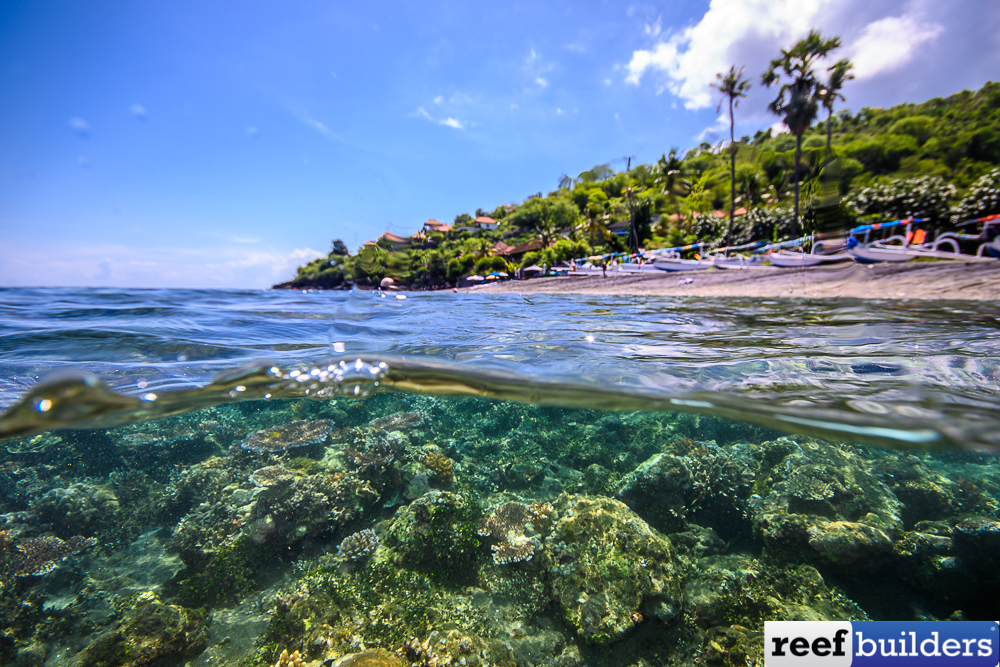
[678, 264]
[739, 262]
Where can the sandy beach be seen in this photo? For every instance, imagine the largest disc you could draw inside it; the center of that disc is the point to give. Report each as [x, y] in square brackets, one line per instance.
[978, 281]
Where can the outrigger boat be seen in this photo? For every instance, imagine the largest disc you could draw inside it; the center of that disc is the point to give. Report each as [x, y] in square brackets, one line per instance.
[738, 262]
[675, 263]
[821, 254]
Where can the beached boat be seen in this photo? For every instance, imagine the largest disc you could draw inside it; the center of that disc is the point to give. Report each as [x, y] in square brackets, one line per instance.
[739, 262]
[678, 264]
[636, 268]
[788, 260]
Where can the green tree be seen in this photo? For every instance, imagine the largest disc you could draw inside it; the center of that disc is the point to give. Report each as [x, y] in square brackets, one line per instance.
[797, 100]
[547, 231]
[733, 86]
[339, 248]
[670, 170]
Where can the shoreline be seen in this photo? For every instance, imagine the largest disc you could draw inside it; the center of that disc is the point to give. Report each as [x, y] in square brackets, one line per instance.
[946, 279]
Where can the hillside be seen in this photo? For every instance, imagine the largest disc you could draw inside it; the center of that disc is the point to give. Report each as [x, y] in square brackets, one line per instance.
[935, 160]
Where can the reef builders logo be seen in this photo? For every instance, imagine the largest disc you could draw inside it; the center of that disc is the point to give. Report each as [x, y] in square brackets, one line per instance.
[881, 643]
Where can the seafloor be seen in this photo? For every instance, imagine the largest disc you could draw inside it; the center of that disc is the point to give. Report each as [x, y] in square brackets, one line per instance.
[403, 530]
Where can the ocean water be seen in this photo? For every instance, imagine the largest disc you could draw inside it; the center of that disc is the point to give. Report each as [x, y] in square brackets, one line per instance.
[260, 478]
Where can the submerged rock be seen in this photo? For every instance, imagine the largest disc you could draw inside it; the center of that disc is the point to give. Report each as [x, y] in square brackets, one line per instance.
[152, 634]
[710, 484]
[308, 506]
[608, 568]
[820, 502]
[79, 509]
[437, 533]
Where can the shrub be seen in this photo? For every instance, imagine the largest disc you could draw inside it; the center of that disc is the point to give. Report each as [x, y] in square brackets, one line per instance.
[982, 199]
[923, 197]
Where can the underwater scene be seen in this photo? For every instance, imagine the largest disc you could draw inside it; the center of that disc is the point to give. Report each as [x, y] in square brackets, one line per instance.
[388, 479]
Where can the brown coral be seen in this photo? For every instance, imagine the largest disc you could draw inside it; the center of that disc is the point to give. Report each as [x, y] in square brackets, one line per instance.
[359, 545]
[508, 524]
[288, 436]
[518, 550]
[289, 660]
[43, 554]
[271, 476]
[398, 421]
[441, 465]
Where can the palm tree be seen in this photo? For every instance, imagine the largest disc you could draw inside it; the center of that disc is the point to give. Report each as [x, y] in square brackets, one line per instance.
[797, 100]
[565, 182]
[671, 170]
[733, 86]
[547, 231]
[840, 73]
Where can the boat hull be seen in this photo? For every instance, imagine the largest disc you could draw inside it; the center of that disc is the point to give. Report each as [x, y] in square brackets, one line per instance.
[737, 263]
[798, 259]
[668, 264]
[864, 255]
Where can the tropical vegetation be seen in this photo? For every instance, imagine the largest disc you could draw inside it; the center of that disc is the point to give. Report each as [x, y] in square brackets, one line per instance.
[936, 160]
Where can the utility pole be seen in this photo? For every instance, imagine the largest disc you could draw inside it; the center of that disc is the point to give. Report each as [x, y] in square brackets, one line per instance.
[633, 238]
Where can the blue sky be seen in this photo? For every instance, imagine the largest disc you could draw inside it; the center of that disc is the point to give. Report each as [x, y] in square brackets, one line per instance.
[221, 144]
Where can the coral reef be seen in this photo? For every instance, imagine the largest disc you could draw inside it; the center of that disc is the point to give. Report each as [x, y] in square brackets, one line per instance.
[508, 523]
[436, 533]
[287, 659]
[380, 452]
[367, 546]
[79, 509]
[151, 633]
[444, 473]
[309, 506]
[271, 476]
[369, 659]
[820, 502]
[609, 569]
[42, 555]
[708, 484]
[359, 545]
[397, 421]
[278, 439]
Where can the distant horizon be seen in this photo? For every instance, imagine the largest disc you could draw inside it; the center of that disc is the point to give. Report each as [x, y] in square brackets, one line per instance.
[186, 147]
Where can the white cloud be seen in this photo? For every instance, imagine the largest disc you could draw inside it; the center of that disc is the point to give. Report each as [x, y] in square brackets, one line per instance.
[438, 100]
[749, 31]
[532, 57]
[448, 122]
[719, 129]
[778, 128]
[889, 43]
[309, 121]
[691, 58]
[655, 29]
[542, 82]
